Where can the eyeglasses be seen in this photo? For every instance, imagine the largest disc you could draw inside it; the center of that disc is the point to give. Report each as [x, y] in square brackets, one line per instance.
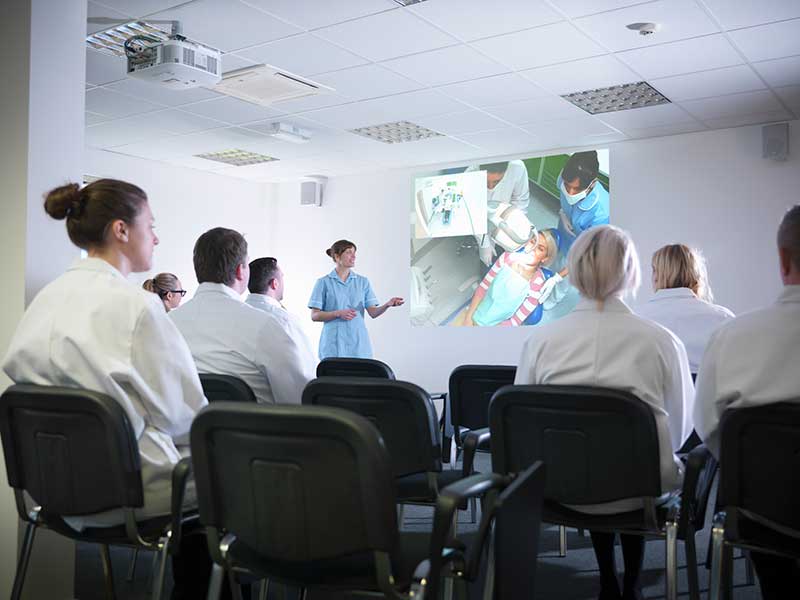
[181, 292]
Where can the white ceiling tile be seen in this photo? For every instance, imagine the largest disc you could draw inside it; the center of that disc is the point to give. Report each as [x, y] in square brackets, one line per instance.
[502, 142]
[734, 14]
[149, 126]
[140, 8]
[232, 110]
[112, 104]
[536, 110]
[306, 103]
[234, 62]
[179, 122]
[214, 140]
[311, 14]
[765, 42]
[227, 24]
[367, 81]
[469, 121]
[679, 19]
[579, 8]
[578, 126]
[736, 104]
[579, 75]
[651, 116]
[780, 72]
[192, 162]
[664, 130]
[386, 35]
[791, 96]
[499, 89]
[445, 65]
[94, 118]
[100, 18]
[677, 58]
[537, 47]
[303, 54]
[753, 119]
[323, 140]
[104, 68]
[473, 19]
[730, 80]
[159, 94]
[422, 151]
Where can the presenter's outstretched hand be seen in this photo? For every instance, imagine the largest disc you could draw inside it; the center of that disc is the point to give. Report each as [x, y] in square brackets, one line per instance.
[396, 301]
[346, 314]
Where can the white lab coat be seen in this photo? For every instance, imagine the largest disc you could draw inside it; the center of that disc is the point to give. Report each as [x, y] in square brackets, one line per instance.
[691, 319]
[751, 361]
[92, 329]
[612, 347]
[226, 336]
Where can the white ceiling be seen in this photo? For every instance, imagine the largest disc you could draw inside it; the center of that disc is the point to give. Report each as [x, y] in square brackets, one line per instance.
[486, 74]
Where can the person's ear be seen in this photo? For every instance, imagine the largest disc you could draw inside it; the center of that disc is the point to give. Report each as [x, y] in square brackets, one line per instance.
[785, 258]
[119, 230]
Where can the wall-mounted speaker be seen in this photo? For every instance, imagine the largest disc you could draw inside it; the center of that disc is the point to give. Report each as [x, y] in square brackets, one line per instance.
[775, 140]
[310, 193]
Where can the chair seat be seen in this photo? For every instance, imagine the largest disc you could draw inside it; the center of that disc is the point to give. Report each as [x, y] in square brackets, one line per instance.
[553, 512]
[356, 571]
[755, 535]
[415, 488]
[149, 529]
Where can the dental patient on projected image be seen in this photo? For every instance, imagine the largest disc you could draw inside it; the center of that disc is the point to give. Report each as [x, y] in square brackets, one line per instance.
[509, 293]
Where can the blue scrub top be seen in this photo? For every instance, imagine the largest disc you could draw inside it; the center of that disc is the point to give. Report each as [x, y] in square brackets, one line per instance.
[342, 338]
[592, 210]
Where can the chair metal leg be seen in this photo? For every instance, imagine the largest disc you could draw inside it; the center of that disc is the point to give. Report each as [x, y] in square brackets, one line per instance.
[304, 594]
[236, 588]
[748, 569]
[672, 560]
[488, 584]
[24, 559]
[132, 567]
[215, 584]
[158, 585]
[455, 523]
[263, 591]
[717, 542]
[562, 541]
[447, 588]
[691, 565]
[108, 573]
[473, 508]
[401, 509]
[151, 578]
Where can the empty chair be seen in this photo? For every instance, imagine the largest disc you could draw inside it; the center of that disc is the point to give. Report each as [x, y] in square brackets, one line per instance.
[759, 496]
[74, 452]
[226, 388]
[601, 445]
[304, 495]
[354, 367]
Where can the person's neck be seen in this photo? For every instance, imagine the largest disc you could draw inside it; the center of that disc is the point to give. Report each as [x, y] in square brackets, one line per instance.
[792, 278]
[113, 257]
[343, 272]
[272, 294]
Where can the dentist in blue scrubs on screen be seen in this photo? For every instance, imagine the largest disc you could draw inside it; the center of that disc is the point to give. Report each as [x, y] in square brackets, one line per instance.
[339, 300]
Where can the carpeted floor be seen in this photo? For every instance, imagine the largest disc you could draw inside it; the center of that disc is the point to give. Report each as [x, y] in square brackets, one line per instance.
[573, 577]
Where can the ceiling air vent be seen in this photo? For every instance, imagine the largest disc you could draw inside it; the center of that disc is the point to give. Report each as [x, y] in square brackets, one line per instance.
[236, 157]
[266, 85]
[617, 97]
[396, 132]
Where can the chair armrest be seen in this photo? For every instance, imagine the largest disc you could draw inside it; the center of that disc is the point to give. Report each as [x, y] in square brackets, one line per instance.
[180, 477]
[472, 440]
[701, 466]
[439, 396]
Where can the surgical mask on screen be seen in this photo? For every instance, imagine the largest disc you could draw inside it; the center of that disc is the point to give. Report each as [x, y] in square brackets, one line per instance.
[575, 198]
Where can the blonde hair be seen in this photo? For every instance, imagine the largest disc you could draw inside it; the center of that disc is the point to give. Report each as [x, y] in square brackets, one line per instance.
[161, 284]
[603, 262]
[552, 246]
[679, 266]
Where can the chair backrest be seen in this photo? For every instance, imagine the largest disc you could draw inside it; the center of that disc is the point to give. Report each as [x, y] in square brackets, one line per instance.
[354, 367]
[294, 483]
[226, 388]
[74, 451]
[760, 463]
[403, 413]
[598, 444]
[470, 389]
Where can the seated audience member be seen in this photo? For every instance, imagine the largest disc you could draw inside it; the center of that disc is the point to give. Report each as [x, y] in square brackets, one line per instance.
[92, 329]
[752, 361]
[226, 336]
[603, 343]
[167, 287]
[683, 301]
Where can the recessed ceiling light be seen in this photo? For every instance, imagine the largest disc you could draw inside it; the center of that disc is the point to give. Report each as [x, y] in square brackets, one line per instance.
[396, 132]
[617, 97]
[112, 41]
[237, 158]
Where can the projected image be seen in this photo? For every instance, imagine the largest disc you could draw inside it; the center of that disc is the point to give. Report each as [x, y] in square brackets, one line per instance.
[511, 271]
[449, 205]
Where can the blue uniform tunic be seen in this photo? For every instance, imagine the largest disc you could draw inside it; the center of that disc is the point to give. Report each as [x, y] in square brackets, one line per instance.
[342, 338]
[592, 210]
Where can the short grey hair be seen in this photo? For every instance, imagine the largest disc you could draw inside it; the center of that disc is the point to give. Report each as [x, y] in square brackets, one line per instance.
[603, 262]
[789, 234]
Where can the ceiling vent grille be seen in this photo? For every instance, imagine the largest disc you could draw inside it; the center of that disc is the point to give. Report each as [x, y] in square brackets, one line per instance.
[237, 158]
[396, 132]
[266, 85]
[617, 97]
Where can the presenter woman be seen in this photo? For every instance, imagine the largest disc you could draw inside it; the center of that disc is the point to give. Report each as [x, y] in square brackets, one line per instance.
[91, 328]
[167, 287]
[339, 300]
[609, 346]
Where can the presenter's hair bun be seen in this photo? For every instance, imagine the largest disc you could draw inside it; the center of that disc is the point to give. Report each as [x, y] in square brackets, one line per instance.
[62, 201]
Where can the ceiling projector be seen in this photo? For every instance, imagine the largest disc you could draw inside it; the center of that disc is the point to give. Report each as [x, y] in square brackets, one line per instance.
[176, 63]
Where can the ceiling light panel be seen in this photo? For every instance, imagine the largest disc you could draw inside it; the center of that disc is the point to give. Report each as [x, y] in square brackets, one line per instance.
[237, 158]
[617, 97]
[397, 132]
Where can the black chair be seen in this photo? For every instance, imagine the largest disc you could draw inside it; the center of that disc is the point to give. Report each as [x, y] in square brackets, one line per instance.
[304, 495]
[601, 445]
[354, 367]
[225, 388]
[759, 487]
[74, 452]
[405, 417]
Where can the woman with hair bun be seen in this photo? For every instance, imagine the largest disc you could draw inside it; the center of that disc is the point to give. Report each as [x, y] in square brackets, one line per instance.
[167, 287]
[93, 329]
[339, 300]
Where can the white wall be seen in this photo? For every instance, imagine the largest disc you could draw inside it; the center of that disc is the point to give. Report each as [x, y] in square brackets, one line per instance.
[708, 189]
[185, 203]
